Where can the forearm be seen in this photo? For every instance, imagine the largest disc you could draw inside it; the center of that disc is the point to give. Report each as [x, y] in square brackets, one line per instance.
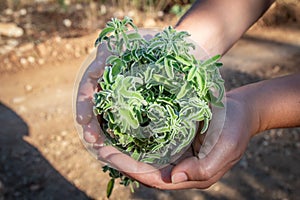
[272, 103]
[217, 24]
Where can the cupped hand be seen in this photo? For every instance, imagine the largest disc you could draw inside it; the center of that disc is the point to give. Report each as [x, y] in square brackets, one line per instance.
[84, 102]
[208, 159]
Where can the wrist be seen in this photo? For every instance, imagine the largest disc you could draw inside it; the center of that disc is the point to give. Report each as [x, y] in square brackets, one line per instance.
[243, 102]
[270, 104]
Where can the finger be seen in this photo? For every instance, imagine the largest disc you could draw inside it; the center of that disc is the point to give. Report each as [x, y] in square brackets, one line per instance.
[217, 151]
[198, 184]
[123, 162]
[84, 103]
[88, 85]
[91, 132]
[142, 172]
[96, 69]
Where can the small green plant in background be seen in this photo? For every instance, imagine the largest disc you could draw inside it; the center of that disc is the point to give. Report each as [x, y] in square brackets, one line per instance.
[153, 94]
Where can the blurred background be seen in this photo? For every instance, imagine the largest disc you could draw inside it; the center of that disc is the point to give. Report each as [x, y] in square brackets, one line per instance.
[42, 46]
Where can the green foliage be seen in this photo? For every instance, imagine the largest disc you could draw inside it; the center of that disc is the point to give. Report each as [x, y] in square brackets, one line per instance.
[153, 93]
[115, 174]
[179, 10]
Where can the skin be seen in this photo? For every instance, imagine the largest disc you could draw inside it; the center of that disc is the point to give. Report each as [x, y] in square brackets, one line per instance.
[250, 109]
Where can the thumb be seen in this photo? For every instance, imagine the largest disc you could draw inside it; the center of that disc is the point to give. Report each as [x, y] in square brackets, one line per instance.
[187, 170]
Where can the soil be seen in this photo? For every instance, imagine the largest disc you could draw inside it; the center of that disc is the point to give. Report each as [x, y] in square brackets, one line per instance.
[42, 157]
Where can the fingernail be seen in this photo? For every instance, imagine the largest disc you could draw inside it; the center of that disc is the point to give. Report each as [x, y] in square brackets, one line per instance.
[179, 177]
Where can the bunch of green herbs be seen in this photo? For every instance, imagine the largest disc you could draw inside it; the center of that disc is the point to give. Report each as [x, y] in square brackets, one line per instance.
[153, 93]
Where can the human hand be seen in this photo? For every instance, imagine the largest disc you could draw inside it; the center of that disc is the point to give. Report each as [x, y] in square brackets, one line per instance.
[86, 89]
[217, 153]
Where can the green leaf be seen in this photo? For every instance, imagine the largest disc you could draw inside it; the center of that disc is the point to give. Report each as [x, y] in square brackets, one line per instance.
[154, 45]
[103, 33]
[135, 155]
[110, 187]
[169, 69]
[117, 67]
[192, 73]
[205, 125]
[126, 40]
[183, 90]
[107, 74]
[134, 36]
[128, 116]
[183, 60]
[210, 61]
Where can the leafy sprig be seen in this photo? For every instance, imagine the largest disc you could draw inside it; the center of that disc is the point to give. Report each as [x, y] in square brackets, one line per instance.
[154, 93]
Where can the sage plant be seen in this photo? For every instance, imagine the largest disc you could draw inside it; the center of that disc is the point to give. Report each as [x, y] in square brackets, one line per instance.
[154, 94]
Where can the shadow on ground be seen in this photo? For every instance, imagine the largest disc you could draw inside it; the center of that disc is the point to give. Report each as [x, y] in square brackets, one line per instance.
[22, 177]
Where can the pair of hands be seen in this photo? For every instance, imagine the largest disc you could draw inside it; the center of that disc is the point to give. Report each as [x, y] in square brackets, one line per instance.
[217, 150]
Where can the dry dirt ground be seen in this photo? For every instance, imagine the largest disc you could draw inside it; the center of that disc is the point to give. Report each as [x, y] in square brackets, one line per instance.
[41, 155]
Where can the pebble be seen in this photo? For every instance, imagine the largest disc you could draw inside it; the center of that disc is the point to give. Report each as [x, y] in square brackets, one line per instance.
[23, 61]
[28, 88]
[12, 42]
[58, 138]
[78, 6]
[67, 23]
[42, 50]
[34, 187]
[5, 49]
[8, 11]
[58, 39]
[54, 53]
[64, 143]
[160, 13]
[17, 100]
[103, 10]
[26, 47]
[69, 46]
[77, 54]
[41, 61]
[31, 59]
[64, 133]
[23, 12]
[11, 30]
[22, 109]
